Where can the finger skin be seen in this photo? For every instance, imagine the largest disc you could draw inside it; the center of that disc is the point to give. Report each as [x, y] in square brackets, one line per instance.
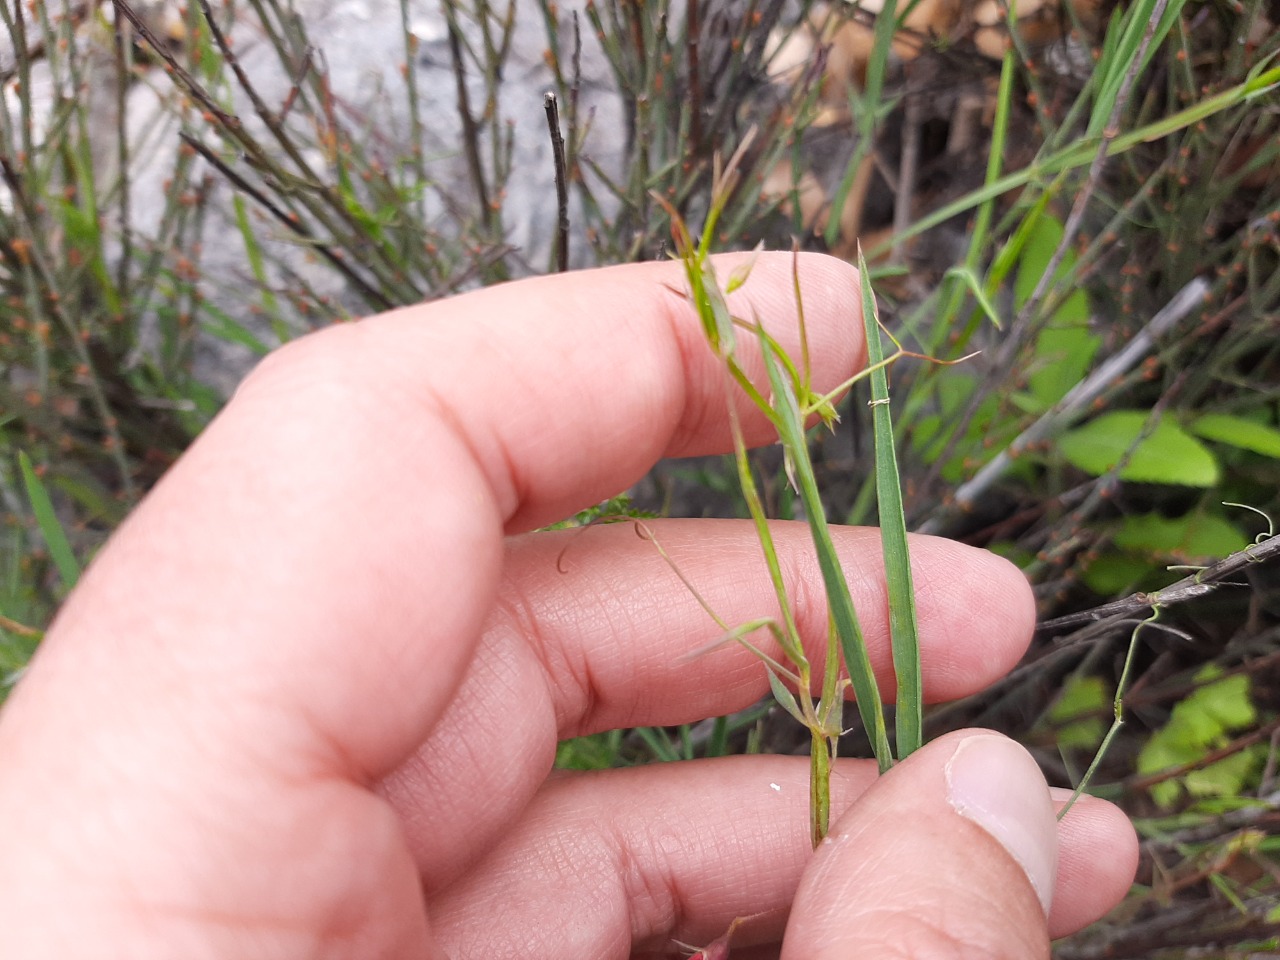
[612, 862]
[281, 622]
[905, 874]
[289, 614]
[593, 628]
[359, 485]
[1097, 860]
[617, 862]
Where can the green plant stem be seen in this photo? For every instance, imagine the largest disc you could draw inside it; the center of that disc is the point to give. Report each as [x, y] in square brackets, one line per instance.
[845, 617]
[819, 786]
[1117, 707]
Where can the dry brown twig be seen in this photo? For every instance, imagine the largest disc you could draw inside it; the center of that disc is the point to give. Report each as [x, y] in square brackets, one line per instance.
[1102, 619]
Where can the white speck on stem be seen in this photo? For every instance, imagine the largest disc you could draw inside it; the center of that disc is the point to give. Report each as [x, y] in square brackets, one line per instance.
[775, 788]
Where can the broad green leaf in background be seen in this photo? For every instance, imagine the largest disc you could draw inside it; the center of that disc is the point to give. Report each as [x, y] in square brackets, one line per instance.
[1147, 542]
[1192, 537]
[1198, 724]
[1239, 432]
[1114, 574]
[1226, 700]
[1064, 352]
[1065, 347]
[1077, 713]
[1167, 455]
[1227, 778]
[1040, 242]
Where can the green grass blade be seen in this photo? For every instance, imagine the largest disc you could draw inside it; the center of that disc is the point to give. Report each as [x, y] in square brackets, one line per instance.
[659, 743]
[1081, 153]
[718, 744]
[967, 280]
[978, 236]
[257, 264]
[1117, 707]
[789, 635]
[225, 327]
[893, 535]
[869, 108]
[55, 537]
[786, 699]
[852, 642]
[1114, 69]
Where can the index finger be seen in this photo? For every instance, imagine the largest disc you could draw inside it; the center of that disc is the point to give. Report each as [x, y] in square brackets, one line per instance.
[333, 540]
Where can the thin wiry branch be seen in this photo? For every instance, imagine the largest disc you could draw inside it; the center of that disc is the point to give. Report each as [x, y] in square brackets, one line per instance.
[1102, 619]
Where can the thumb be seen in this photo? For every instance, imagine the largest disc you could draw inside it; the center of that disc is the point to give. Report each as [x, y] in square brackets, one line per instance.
[953, 853]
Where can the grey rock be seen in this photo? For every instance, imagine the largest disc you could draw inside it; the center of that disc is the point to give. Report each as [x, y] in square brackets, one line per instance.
[360, 45]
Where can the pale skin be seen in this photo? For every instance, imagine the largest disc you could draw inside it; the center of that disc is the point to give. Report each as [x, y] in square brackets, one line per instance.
[306, 701]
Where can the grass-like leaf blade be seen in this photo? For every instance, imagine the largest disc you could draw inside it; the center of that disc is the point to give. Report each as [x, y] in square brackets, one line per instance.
[55, 537]
[791, 431]
[893, 536]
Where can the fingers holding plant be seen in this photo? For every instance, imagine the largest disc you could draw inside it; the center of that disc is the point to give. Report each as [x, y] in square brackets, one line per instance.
[617, 863]
[594, 631]
[291, 611]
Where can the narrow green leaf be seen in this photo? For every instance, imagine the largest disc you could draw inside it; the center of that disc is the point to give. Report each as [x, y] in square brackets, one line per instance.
[717, 311]
[788, 635]
[739, 274]
[225, 327]
[659, 744]
[1117, 709]
[718, 744]
[978, 244]
[1080, 153]
[969, 281]
[857, 662]
[786, 699]
[1167, 455]
[1013, 252]
[257, 264]
[903, 628]
[713, 312]
[1137, 23]
[55, 537]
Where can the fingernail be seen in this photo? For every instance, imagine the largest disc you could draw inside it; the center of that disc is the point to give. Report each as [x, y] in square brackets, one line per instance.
[995, 783]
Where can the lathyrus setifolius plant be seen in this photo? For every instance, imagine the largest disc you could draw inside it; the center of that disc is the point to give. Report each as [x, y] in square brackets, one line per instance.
[791, 405]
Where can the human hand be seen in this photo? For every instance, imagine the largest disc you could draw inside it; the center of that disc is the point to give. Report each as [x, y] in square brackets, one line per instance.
[306, 701]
